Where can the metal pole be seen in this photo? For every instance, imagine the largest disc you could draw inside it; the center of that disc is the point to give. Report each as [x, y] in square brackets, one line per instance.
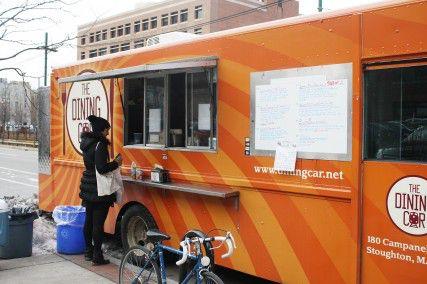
[45, 59]
[320, 8]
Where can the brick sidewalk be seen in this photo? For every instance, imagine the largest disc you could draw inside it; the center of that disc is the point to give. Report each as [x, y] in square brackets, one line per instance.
[109, 271]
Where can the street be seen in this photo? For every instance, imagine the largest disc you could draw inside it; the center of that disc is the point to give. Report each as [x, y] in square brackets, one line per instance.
[18, 172]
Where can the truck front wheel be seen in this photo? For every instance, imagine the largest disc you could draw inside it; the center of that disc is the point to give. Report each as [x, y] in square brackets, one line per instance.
[134, 225]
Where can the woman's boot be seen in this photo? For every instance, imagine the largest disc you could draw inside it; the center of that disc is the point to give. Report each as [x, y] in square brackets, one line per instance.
[89, 253]
[98, 258]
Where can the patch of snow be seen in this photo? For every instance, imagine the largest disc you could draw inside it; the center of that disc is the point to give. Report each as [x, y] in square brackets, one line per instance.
[44, 236]
[32, 203]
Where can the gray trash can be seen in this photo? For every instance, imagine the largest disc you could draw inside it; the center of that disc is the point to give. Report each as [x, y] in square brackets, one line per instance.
[20, 239]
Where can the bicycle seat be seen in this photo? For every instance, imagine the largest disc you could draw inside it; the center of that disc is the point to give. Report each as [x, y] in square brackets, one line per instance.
[157, 236]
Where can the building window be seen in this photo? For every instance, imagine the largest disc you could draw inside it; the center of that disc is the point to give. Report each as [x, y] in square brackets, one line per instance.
[82, 55]
[98, 36]
[198, 12]
[165, 20]
[127, 29]
[83, 40]
[92, 53]
[145, 25]
[189, 108]
[104, 34]
[114, 48]
[91, 38]
[184, 15]
[174, 18]
[125, 46]
[102, 51]
[153, 22]
[112, 32]
[138, 43]
[137, 26]
[198, 31]
[119, 30]
[396, 114]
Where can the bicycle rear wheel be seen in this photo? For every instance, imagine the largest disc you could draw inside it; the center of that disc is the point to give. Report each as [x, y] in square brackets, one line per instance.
[137, 267]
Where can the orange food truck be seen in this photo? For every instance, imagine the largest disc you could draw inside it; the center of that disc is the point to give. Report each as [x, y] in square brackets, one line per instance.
[346, 92]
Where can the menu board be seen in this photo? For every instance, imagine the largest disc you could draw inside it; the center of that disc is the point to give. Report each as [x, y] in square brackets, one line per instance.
[308, 110]
[322, 117]
[275, 108]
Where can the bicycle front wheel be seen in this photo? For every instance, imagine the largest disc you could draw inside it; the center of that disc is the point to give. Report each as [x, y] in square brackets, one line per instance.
[208, 277]
[211, 278]
[137, 267]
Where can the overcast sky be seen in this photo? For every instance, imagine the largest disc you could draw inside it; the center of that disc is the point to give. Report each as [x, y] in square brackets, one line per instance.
[85, 11]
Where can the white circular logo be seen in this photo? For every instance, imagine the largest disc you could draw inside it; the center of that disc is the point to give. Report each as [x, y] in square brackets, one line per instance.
[84, 99]
[407, 205]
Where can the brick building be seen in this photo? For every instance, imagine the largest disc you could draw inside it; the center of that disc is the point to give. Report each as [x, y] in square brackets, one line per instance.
[132, 29]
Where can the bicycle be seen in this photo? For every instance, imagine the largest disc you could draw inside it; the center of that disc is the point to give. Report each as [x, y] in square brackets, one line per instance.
[139, 264]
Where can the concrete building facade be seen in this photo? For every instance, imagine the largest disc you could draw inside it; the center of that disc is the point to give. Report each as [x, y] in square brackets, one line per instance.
[16, 103]
[132, 29]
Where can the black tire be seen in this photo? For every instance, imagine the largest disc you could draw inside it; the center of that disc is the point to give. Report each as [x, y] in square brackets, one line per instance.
[134, 225]
[208, 278]
[136, 267]
[211, 278]
[185, 268]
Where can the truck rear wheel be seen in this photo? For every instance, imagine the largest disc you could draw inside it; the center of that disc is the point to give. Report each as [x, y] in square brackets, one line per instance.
[134, 225]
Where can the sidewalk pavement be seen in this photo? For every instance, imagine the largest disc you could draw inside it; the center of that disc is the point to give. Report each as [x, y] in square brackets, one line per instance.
[52, 268]
[67, 269]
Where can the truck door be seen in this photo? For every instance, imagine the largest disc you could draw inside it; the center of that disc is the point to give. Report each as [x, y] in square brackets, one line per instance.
[394, 174]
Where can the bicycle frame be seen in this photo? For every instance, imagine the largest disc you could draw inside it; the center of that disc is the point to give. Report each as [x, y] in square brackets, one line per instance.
[195, 271]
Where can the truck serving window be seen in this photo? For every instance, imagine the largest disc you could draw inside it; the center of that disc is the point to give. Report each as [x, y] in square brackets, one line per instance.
[173, 110]
[396, 114]
[134, 107]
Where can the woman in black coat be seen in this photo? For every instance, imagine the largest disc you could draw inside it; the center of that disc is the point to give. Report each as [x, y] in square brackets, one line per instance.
[94, 146]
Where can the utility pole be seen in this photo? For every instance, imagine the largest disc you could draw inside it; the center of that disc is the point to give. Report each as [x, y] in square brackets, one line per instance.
[46, 49]
[45, 59]
[320, 7]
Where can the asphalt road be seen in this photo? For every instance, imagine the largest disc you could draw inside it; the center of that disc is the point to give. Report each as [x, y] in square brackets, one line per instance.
[18, 172]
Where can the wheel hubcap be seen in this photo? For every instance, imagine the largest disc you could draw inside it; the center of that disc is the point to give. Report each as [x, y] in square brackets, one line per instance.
[136, 231]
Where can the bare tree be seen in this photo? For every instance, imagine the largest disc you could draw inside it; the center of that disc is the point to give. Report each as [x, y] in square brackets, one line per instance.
[18, 17]
[34, 112]
[4, 108]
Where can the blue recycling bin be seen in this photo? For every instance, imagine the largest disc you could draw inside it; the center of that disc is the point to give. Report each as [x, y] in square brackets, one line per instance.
[69, 230]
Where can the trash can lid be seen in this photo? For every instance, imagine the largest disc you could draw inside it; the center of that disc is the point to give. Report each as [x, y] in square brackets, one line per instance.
[3, 206]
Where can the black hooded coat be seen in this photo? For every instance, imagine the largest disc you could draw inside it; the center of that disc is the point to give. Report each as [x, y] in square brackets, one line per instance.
[100, 158]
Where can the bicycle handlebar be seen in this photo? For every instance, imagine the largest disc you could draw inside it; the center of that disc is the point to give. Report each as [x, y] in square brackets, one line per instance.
[228, 239]
[184, 244]
[231, 244]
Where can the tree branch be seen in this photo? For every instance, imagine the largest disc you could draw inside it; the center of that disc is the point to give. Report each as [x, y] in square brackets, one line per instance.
[21, 51]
